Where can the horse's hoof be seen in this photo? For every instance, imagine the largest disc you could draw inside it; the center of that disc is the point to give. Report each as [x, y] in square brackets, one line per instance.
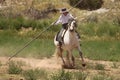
[64, 66]
[68, 67]
[83, 64]
[71, 67]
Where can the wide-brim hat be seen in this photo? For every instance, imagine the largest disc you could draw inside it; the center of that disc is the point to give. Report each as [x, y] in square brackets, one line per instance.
[63, 10]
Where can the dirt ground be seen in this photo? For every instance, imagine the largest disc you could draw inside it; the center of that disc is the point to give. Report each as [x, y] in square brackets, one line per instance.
[53, 63]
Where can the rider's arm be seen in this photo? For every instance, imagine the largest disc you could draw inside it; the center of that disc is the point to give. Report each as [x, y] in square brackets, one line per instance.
[58, 21]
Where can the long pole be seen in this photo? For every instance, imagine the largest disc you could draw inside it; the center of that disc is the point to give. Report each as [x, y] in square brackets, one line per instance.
[75, 5]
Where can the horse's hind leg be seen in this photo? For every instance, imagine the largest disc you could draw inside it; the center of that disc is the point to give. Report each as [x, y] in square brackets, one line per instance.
[67, 59]
[81, 55]
[59, 51]
[73, 61]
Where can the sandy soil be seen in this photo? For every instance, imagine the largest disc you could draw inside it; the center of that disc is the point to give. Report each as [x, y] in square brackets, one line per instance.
[53, 63]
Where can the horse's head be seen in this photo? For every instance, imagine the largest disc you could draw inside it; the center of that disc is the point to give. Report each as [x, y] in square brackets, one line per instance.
[72, 25]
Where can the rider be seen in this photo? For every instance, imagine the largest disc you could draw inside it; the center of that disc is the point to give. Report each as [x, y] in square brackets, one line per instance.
[63, 19]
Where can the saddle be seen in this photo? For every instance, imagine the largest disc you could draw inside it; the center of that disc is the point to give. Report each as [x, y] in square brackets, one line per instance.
[60, 35]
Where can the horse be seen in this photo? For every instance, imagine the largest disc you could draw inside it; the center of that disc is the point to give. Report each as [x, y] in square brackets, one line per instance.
[70, 42]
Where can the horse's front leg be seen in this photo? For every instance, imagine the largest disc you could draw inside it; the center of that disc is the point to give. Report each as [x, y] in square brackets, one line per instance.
[70, 59]
[81, 55]
[67, 58]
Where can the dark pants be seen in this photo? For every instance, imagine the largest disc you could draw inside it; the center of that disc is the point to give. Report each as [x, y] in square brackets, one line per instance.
[59, 35]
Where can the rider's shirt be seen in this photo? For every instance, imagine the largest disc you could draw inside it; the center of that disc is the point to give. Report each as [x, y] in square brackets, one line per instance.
[64, 19]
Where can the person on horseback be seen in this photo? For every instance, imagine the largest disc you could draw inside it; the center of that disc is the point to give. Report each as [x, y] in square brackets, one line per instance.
[64, 19]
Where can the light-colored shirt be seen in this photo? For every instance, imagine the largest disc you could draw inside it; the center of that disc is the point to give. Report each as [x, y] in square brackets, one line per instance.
[64, 19]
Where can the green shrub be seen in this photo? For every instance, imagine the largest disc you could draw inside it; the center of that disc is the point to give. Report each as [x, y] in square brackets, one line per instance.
[88, 29]
[101, 77]
[18, 22]
[115, 65]
[4, 23]
[99, 67]
[35, 74]
[14, 68]
[109, 29]
[116, 20]
[62, 75]
[66, 75]
[87, 4]
[79, 76]
[100, 29]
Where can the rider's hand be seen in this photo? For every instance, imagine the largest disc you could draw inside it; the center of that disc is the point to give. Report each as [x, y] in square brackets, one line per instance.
[75, 18]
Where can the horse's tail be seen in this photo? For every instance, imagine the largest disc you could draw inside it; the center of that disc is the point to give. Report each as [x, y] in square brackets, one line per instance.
[58, 51]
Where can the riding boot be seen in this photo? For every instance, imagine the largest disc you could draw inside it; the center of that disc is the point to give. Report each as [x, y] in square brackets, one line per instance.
[61, 33]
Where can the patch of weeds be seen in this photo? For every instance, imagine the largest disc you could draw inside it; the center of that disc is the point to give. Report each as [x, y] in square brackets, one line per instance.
[101, 77]
[78, 64]
[99, 67]
[66, 75]
[115, 66]
[79, 76]
[62, 75]
[102, 72]
[90, 65]
[35, 74]
[14, 68]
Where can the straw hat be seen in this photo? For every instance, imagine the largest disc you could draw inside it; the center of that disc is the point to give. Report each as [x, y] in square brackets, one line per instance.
[63, 10]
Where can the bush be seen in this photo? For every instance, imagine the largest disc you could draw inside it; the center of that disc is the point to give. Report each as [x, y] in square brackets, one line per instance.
[87, 4]
[79, 76]
[99, 67]
[4, 23]
[35, 74]
[17, 23]
[101, 77]
[14, 68]
[117, 20]
[109, 29]
[62, 75]
[104, 29]
[65, 75]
